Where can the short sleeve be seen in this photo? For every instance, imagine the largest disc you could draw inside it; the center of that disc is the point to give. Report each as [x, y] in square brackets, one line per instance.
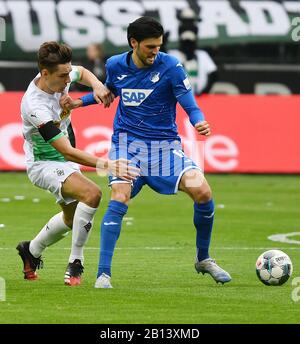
[75, 74]
[109, 77]
[39, 117]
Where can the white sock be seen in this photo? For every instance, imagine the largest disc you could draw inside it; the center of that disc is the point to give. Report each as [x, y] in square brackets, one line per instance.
[52, 232]
[82, 225]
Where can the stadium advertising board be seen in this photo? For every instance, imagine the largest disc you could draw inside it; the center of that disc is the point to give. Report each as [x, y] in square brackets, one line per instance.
[78, 23]
[250, 133]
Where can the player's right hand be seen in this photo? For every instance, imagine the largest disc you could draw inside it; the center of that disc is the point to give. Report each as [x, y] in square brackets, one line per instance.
[103, 95]
[121, 168]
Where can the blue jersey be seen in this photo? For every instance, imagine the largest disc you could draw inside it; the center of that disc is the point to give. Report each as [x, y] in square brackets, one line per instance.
[148, 96]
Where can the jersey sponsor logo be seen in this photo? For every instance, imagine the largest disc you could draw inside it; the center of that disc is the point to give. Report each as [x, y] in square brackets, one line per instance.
[154, 77]
[64, 114]
[121, 77]
[134, 97]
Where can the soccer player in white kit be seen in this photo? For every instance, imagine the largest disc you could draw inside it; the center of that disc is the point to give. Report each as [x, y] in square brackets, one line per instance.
[51, 159]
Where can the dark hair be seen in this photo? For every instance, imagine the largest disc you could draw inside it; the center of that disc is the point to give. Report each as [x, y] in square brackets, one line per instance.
[51, 54]
[143, 28]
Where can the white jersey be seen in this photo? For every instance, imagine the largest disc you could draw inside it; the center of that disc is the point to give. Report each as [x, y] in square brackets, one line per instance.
[38, 108]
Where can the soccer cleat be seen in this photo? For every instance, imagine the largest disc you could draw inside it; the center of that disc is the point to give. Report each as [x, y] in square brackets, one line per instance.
[210, 266]
[103, 282]
[31, 264]
[73, 273]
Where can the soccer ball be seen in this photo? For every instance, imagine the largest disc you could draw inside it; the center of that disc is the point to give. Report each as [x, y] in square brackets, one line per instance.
[274, 267]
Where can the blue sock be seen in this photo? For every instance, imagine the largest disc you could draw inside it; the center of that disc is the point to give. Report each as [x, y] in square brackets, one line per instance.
[203, 221]
[110, 232]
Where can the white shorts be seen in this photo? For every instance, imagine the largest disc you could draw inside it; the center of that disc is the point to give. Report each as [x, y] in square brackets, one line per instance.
[49, 175]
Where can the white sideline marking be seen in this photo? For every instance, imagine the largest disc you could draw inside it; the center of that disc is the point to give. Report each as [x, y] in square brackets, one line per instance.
[284, 237]
[169, 248]
[19, 197]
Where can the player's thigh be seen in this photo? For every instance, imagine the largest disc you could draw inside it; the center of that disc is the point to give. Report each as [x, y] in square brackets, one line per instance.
[68, 212]
[121, 192]
[50, 175]
[195, 185]
[82, 189]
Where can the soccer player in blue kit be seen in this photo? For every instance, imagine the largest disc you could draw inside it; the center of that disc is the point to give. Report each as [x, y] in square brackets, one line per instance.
[149, 83]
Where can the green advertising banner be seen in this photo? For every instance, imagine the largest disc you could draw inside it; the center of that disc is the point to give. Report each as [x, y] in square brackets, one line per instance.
[26, 24]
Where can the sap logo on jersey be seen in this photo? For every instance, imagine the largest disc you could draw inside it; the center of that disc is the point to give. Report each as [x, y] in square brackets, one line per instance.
[134, 97]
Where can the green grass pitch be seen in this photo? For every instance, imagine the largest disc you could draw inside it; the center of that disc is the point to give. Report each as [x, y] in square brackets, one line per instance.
[153, 275]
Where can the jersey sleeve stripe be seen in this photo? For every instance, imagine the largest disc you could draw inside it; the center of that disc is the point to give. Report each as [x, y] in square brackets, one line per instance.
[61, 134]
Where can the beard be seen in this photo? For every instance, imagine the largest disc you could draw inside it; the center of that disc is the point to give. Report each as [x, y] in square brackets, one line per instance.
[145, 60]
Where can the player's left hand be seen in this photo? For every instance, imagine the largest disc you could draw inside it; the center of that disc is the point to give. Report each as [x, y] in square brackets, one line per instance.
[203, 128]
[68, 103]
[103, 95]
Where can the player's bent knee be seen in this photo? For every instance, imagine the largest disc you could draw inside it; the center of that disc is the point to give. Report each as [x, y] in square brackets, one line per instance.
[122, 197]
[121, 192]
[92, 197]
[202, 195]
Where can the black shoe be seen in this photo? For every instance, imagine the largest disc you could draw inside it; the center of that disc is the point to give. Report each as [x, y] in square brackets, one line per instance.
[73, 273]
[31, 264]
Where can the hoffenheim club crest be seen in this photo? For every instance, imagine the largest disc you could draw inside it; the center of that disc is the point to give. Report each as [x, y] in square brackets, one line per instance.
[154, 77]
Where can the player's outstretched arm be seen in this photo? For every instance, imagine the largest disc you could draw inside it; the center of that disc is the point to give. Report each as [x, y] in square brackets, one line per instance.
[120, 168]
[188, 103]
[62, 145]
[68, 103]
[101, 93]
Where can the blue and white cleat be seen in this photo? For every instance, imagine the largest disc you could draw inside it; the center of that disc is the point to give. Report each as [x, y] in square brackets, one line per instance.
[210, 266]
[103, 282]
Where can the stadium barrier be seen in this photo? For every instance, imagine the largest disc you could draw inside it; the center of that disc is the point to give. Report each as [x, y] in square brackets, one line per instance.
[250, 134]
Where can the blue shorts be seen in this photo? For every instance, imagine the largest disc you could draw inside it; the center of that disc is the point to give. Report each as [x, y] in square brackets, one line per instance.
[162, 163]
